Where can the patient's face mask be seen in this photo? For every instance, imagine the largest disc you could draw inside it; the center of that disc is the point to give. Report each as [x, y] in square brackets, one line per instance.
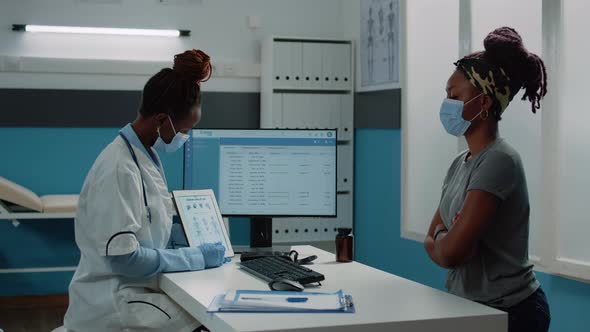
[451, 116]
[177, 141]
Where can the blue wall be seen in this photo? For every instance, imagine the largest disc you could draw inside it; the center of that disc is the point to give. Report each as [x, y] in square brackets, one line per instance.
[377, 210]
[377, 231]
[56, 160]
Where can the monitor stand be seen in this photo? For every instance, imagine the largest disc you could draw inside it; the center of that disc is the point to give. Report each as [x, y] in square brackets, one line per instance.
[261, 232]
[261, 237]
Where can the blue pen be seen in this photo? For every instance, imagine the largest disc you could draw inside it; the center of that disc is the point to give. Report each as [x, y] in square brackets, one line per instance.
[297, 299]
[289, 299]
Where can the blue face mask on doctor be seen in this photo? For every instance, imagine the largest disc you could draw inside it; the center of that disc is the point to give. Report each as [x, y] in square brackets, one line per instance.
[451, 116]
[176, 143]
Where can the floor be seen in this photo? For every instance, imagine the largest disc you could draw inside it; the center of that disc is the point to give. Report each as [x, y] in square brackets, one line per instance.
[32, 313]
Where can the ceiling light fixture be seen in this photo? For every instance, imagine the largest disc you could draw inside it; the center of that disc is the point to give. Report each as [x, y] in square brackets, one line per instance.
[101, 31]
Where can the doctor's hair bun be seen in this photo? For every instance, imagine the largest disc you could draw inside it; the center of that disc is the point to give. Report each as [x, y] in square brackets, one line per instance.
[193, 65]
[176, 90]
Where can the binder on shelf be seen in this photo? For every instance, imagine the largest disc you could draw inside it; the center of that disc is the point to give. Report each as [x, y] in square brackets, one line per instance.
[293, 109]
[342, 61]
[312, 65]
[295, 65]
[329, 57]
[345, 169]
[281, 63]
[276, 115]
[346, 125]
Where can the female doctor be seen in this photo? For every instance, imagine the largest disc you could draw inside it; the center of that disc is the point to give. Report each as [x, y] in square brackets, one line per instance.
[124, 216]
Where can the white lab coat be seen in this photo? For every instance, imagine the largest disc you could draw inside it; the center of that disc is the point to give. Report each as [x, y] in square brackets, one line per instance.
[112, 220]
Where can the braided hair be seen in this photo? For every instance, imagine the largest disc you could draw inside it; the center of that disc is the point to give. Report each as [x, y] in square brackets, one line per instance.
[504, 48]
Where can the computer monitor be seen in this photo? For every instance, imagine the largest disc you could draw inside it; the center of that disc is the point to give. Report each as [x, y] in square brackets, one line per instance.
[264, 173]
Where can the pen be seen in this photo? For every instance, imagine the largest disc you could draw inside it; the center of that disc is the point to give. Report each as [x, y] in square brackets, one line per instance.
[289, 299]
[297, 299]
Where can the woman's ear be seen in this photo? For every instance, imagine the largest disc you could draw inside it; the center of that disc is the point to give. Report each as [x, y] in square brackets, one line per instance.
[486, 103]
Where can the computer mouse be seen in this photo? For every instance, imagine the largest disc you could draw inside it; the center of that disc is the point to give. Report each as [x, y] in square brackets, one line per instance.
[286, 285]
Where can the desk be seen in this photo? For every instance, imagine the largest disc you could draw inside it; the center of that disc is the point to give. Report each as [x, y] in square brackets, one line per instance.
[384, 302]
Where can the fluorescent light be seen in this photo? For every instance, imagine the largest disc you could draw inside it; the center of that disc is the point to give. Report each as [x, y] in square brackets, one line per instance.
[101, 31]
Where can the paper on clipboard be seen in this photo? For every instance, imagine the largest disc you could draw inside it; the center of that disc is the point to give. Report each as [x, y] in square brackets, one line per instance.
[272, 301]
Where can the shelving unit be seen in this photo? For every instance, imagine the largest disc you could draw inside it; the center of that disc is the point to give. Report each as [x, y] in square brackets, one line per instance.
[308, 83]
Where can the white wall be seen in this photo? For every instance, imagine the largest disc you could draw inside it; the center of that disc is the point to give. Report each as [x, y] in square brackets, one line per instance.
[351, 10]
[217, 26]
[519, 126]
[432, 45]
[574, 137]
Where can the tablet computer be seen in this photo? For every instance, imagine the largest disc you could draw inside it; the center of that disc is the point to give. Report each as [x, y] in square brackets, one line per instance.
[201, 219]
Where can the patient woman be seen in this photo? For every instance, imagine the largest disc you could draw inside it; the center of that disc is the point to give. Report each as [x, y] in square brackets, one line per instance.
[480, 230]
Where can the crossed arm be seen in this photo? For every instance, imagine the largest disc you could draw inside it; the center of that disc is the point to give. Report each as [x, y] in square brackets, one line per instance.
[459, 244]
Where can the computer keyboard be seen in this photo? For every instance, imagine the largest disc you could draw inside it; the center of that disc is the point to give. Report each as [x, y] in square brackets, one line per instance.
[277, 267]
[248, 255]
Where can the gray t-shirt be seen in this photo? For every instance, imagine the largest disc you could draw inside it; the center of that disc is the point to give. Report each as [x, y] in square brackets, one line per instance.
[500, 275]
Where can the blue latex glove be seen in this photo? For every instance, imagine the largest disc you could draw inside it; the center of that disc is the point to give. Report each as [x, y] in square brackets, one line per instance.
[213, 254]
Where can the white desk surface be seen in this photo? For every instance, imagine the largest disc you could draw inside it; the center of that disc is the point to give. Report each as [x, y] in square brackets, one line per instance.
[384, 302]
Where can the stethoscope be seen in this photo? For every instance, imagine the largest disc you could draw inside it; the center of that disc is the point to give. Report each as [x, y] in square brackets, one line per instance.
[145, 202]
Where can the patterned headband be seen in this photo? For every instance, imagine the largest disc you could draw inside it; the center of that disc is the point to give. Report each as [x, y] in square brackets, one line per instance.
[490, 79]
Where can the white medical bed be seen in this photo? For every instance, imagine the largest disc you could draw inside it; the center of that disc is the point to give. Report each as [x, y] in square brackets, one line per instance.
[18, 202]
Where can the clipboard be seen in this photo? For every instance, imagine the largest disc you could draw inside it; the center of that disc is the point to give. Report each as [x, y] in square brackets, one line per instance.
[237, 301]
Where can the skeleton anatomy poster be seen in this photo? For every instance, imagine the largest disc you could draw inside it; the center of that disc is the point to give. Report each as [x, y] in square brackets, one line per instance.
[380, 43]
